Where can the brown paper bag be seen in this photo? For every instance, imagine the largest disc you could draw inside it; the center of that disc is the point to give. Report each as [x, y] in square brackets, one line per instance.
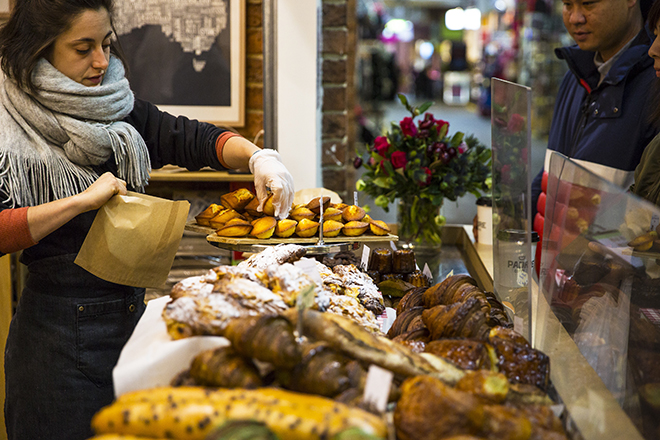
[133, 240]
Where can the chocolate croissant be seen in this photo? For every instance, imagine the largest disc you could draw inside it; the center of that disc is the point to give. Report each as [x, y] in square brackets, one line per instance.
[266, 338]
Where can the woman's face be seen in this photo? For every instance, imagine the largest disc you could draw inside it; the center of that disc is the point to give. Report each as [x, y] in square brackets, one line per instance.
[82, 51]
[654, 50]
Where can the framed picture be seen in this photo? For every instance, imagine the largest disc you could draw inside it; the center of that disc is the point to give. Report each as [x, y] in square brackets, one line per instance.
[186, 56]
[5, 7]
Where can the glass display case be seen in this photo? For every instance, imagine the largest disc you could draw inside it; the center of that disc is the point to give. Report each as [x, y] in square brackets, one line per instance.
[598, 310]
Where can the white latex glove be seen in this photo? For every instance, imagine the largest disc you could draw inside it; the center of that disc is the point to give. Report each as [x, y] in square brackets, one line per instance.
[270, 173]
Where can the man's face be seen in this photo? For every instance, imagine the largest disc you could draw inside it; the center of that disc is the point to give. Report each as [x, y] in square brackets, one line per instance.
[603, 26]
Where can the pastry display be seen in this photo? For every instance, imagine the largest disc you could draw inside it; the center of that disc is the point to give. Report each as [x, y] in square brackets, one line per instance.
[381, 269]
[194, 412]
[339, 220]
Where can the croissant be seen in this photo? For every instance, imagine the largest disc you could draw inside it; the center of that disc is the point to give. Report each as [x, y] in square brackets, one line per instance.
[443, 292]
[322, 371]
[465, 291]
[223, 367]
[266, 338]
[464, 319]
[413, 298]
[402, 321]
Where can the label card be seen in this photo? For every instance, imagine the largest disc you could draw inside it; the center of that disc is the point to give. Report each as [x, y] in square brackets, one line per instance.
[518, 324]
[377, 387]
[308, 266]
[366, 253]
[427, 272]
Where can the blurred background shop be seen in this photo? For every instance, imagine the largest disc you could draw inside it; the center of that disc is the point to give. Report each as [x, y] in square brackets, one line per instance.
[447, 51]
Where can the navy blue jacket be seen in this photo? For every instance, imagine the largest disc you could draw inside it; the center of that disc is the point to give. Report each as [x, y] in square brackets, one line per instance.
[605, 128]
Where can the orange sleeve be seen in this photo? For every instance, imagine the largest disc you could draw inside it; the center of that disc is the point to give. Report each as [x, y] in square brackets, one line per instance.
[14, 231]
[220, 145]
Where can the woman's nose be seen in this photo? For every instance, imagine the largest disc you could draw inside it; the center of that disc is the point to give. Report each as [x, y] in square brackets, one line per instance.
[654, 50]
[100, 59]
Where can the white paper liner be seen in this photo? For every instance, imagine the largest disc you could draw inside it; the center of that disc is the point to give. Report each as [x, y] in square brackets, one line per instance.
[151, 358]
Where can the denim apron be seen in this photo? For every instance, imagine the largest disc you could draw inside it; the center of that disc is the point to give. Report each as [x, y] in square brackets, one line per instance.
[63, 343]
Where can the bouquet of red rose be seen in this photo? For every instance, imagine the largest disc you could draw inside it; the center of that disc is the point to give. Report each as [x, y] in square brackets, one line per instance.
[419, 163]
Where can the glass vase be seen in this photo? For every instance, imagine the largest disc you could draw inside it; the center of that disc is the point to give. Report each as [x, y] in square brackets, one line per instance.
[419, 225]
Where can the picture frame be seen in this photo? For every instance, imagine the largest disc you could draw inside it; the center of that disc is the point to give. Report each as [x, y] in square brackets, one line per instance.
[186, 56]
[5, 8]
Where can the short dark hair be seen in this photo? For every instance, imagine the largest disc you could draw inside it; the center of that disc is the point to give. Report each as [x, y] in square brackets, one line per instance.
[32, 28]
[653, 15]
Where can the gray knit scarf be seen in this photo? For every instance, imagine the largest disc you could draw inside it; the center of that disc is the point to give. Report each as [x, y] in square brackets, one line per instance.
[51, 141]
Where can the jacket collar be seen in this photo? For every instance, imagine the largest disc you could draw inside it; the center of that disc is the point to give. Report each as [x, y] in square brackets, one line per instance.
[581, 62]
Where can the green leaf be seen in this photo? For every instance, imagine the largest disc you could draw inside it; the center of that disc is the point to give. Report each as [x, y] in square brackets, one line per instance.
[360, 185]
[382, 182]
[396, 288]
[403, 99]
[457, 139]
[424, 107]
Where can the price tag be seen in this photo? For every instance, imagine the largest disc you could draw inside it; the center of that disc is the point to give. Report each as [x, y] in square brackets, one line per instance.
[309, 267]
[366, 253]
[522, 278]
[305, 298]
[377, 387]
[392, 245]
[518, 324]
[427, 272]
[355, 198]
[655, 221]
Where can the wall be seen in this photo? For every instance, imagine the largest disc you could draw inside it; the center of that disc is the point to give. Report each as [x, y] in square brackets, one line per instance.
[297, 98]
[338, 49]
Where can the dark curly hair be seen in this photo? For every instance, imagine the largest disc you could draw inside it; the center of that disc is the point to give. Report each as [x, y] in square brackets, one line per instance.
[32, 28]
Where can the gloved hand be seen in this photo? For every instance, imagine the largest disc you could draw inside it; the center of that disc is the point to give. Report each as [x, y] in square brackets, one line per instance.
[270, 173]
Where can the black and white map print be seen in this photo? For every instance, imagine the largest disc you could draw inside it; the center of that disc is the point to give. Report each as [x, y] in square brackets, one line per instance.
[178, 51]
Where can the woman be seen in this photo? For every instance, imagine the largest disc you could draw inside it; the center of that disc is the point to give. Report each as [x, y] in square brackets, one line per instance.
[72, 137]
[647, 173]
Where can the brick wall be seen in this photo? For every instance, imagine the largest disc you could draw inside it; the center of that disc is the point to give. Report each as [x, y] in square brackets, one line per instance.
[337, 56]
[254, 73]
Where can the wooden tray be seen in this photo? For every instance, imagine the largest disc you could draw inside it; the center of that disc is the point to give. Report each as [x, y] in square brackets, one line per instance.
[249, 244]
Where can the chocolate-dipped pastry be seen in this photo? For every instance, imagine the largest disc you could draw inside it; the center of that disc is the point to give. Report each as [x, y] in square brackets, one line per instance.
[416, 340]
[381, 260]
[465, 353]
[417, 278]
[403, 261]
[391, 276]
[522, 364]
[375, 275]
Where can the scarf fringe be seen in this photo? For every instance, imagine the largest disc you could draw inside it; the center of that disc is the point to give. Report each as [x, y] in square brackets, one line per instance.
[30, 182]
[130, 154]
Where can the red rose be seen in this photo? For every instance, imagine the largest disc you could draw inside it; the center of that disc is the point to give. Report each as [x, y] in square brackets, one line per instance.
[516, 123]
[408, 126]
[427, 122]
[399, 159]
[429, 176]
[381, 145]
[442, 127]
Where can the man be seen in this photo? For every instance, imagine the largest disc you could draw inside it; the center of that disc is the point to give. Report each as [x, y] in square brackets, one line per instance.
[601, 111]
